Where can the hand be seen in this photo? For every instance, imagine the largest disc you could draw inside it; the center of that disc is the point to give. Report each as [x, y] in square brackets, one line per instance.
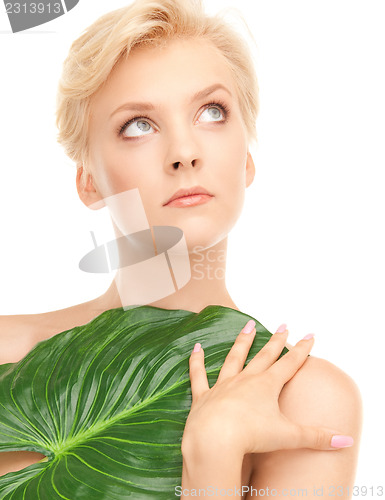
[241, 411]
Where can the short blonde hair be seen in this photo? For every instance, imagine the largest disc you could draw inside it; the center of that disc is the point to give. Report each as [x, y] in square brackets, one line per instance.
[94, 54]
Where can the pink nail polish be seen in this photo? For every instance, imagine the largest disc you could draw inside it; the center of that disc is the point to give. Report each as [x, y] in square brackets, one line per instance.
[281, 328]
[308, 336]
[341, 441]
[248, 328]
[197, 347]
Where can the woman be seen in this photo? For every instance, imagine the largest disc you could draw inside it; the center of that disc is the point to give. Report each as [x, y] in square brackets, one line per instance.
[173, 121]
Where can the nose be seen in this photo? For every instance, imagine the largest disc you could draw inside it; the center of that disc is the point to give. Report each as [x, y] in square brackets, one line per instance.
[178, 164]
[183, 150]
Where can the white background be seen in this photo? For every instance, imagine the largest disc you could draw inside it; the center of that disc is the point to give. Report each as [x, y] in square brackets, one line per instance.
[308, 249]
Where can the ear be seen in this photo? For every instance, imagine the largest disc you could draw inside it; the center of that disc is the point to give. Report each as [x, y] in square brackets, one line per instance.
[87, 191]
[250, 169]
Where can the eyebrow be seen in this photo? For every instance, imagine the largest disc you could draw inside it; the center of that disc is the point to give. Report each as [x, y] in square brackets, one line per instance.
[148, 106]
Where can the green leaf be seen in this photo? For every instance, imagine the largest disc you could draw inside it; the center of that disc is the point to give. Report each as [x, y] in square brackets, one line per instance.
[107, 402]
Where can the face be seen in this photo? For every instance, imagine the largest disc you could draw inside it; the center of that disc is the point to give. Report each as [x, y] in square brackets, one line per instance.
[168, 119]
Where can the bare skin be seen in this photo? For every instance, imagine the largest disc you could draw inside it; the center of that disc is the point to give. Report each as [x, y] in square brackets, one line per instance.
[33, 328]
[297, 399]
[225, 424]
[185, 145]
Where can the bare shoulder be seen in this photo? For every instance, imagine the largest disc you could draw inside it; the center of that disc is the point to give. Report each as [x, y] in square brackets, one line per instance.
[320, 393]
[16, 337]
[20, 333]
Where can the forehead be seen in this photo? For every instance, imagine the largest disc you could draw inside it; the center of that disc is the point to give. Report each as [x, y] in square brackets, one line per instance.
[165, 74]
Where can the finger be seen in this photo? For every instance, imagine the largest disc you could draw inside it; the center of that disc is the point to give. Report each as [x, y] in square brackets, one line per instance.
[198, 375]
[287, 366]
[235, 359]
[320, 438]
[269, 352]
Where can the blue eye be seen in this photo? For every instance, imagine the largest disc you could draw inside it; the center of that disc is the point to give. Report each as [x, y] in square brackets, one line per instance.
[212, 114]
[141, 125]
[136, 128]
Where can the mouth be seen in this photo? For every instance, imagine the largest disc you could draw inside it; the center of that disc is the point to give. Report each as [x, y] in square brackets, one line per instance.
[189, 197]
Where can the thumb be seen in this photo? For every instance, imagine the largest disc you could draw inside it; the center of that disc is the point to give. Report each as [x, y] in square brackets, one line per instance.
[322, 438]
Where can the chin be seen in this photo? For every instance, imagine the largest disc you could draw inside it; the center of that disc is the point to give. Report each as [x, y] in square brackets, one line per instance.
[204, 236]
[202, 229]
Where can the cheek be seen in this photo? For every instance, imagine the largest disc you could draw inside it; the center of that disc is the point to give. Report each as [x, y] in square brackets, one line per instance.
[229, 155]
[123, 168]
[233, 177]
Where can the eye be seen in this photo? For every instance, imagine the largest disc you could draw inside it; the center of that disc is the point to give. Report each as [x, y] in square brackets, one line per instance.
[213, 113]
[136, 127]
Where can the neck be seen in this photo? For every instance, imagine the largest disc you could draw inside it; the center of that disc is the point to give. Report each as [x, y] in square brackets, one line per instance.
[207, 285]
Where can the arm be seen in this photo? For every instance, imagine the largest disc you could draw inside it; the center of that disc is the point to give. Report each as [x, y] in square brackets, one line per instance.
[209, 465]
[319, 393]
[16, 340]
[240, 415]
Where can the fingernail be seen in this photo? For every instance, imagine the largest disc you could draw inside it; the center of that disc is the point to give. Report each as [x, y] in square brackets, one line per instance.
[197, 347]
[249, 327]
[281, 328]
[341, 441]
[308, 336]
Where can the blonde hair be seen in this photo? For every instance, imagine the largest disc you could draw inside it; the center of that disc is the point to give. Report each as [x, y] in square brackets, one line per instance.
[95, 53]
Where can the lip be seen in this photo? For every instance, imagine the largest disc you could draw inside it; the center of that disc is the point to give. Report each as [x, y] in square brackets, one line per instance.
[192, 196]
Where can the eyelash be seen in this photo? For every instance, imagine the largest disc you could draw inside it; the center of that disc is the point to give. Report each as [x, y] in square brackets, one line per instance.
[217, 104]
